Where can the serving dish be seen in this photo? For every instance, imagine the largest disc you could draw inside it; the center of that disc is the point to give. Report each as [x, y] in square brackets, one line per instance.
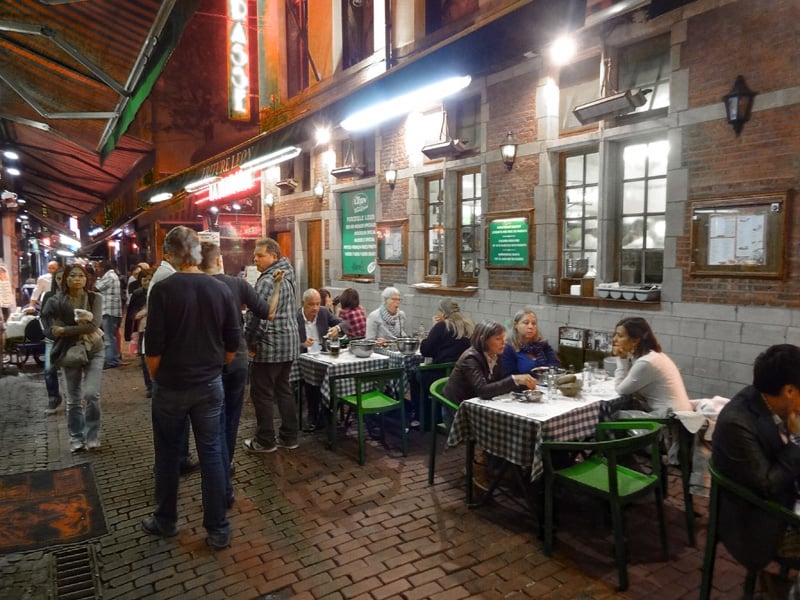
[362, 348]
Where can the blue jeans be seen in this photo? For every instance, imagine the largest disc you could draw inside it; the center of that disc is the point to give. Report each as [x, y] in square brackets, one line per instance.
[84, 423]
[233, 382]
[170, 409]
[50, 371]
[148, 383]
[111, 340]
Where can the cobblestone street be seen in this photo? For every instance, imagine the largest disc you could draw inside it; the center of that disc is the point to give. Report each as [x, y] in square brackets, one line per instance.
[309, 523]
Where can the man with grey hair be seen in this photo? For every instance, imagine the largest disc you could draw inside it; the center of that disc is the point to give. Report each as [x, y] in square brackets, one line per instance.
[192, 332]
[315, 322]
[273, 344]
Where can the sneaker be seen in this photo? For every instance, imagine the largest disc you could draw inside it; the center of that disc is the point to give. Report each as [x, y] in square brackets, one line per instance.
[52, 405]
[251, 445]
[288, 445]
[151, 526]
[93, 444]
[218, 541]
[76, 446]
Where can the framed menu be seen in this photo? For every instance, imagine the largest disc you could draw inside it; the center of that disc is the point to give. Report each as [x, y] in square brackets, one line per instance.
[740, 236]
[508, 240]
[392, 241]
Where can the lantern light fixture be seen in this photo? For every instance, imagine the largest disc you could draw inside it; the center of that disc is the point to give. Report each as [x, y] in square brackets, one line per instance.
[390, 175]
[739, 104]
[508, 150]
[319, 190]
[269, 200]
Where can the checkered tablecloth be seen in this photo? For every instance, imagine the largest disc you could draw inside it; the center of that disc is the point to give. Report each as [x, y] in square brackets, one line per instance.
[515, 430]
[317, 369]
[409, 363]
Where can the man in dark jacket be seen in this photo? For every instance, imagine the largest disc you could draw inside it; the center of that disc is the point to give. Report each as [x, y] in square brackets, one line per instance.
[753, 445]
[314, 323]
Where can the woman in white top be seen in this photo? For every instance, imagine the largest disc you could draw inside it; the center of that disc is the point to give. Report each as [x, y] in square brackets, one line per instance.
[644, 370]
[387, 322]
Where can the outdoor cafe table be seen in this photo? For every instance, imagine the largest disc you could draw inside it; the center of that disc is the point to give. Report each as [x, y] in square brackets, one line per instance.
[318, 368]
[514, 431]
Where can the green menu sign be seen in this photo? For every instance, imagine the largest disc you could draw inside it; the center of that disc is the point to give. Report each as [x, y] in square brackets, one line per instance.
[509, 242]
[358, 232]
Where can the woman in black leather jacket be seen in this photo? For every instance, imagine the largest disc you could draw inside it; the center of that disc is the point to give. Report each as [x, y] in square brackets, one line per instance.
[478, 373]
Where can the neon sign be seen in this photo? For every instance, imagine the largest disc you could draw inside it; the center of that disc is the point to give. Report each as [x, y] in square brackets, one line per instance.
[238, 78]
[236, 183]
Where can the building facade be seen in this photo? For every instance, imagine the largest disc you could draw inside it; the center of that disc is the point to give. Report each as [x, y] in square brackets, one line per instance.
[648, 182]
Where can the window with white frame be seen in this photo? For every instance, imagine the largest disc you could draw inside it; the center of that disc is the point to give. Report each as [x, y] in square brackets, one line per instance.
[434, 228]
[469, 219]
[580, 207]
[642, 211]
[631, 211]
[646, 65]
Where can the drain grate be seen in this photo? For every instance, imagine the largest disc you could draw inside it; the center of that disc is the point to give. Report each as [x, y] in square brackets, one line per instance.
[74, 574]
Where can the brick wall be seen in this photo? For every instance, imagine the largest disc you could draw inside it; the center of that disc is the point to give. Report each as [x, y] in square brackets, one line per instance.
[765, 158]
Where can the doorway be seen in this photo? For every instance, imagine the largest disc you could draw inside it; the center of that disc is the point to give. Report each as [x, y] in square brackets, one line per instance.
[313, 252]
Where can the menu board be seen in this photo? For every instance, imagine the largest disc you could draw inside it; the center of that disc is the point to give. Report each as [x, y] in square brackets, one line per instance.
[358, 232]
[509, 242]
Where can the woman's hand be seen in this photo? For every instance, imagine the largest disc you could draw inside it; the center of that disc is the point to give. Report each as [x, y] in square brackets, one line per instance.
[529, 381]
[57, 330]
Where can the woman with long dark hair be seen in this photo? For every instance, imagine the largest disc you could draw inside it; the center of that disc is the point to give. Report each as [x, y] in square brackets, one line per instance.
[83, 382]
[645, 371]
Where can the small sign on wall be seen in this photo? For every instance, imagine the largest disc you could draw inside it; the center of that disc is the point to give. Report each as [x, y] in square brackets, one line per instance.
[509, 240]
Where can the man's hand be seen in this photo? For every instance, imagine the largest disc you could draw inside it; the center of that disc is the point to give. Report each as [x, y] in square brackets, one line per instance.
[278, 275]
[309, 342]
[793, 423]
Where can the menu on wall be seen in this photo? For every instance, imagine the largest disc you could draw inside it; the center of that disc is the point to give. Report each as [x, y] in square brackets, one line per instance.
[358, 232]
[736, 239]
[509, 242]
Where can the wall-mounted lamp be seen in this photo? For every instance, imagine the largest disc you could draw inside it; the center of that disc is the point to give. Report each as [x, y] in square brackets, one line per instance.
[269, 200]
[739, 104]
[319, 190]
[390, 175]
[508, 150]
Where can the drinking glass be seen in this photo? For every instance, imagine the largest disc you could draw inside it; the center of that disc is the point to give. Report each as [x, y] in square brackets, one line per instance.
[333, 346]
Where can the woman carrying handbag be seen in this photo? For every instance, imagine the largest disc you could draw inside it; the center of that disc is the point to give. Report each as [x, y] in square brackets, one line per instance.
[83, 380]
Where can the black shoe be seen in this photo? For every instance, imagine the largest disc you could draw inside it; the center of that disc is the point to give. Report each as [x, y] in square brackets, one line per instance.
[218, 541]
[188, 466]
[52, 405]
[148, 394]
[151, 526]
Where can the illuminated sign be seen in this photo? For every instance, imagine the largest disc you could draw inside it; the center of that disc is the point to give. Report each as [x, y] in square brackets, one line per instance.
[241, 181]
[238, 78]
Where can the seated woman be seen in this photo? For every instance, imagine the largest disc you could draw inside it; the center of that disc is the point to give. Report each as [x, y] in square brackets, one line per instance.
[527, 349]
[445, 342]
[644, 370]
[353, 313]
[387, 322]
[477, 371]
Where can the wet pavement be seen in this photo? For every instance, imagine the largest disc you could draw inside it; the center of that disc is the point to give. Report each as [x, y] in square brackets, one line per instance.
[310, 523]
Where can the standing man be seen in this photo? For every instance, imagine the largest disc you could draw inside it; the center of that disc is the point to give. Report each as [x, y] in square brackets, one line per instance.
[192, 332]
[108, 285]
[43, 284]
[273, 345]
[315, 322]
[753, 445]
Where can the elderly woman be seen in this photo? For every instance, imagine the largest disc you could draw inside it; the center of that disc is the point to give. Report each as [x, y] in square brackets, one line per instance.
[353, 313]
[477, 371]
[527, 349]
[644, 370]
[387, 322]
[83, 423]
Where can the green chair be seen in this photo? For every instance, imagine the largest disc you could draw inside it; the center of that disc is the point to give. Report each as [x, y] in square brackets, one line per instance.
[377, 392]
[600, 475]
[438, 399]
[719, 483]
[685, 444]
[424, 397]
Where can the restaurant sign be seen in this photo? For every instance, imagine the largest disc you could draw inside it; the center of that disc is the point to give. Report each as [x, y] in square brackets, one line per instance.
[509, 241]
[358, 232]
[238, 58]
